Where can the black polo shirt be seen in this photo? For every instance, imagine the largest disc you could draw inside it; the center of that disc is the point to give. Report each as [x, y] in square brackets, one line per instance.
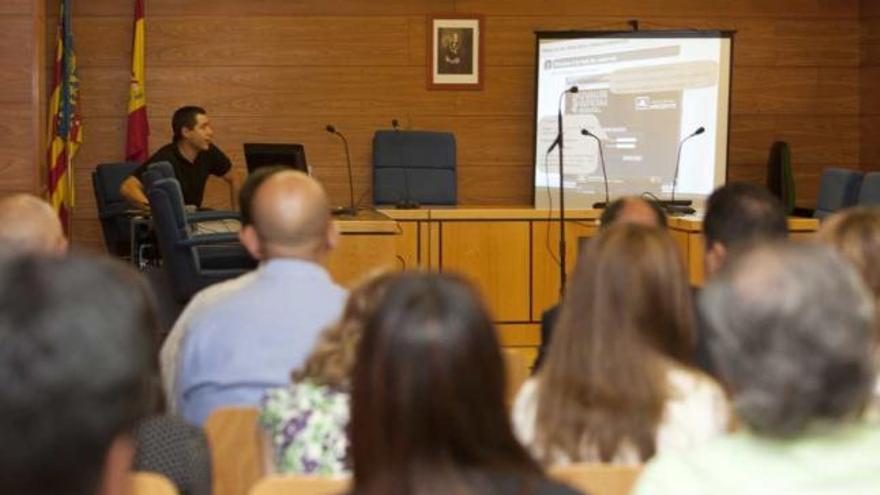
[192, 175]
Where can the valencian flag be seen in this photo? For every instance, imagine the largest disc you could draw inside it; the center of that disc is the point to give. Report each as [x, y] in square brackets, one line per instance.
[138, 127]
[65, 124]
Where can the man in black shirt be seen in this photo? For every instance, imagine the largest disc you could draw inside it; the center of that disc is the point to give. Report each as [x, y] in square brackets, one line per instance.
[192, 154]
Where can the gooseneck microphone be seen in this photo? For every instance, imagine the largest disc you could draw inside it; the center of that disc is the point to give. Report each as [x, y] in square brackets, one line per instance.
[351, 210]
[558, 142]
[587, 133]
[685, 202]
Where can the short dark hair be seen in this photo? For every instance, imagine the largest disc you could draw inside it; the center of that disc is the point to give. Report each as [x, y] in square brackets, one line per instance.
[249, 190]
[74, 369]
[185, 117]
[612, 211]
[741, 213]
[428, 392]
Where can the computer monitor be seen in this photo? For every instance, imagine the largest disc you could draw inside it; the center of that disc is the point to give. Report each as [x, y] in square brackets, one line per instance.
[269, 154]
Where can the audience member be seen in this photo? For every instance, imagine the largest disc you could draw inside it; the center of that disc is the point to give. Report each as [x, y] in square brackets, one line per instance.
[628, 209]
[74, 374]
[855, 234]
[737, 214]
[211, 296]
[307, 421]
[428, 414]
[192, 154]
[792, 336]
[28, 225]
[250, 339]
[615, 387]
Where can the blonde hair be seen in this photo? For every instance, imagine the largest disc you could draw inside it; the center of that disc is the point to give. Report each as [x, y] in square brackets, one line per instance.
[855, 234]
[331, 361]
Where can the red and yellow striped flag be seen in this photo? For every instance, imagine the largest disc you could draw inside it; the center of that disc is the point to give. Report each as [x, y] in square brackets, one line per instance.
[65, 124]
[136, 148]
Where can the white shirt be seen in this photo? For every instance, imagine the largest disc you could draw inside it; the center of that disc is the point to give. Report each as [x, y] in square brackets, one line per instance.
[695, 412]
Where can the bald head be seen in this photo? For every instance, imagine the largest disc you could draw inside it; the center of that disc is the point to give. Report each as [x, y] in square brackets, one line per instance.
[290, 216]
[632, 209]
[28, 225]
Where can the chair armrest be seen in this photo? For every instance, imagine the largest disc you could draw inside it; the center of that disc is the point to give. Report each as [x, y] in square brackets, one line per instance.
[207, 239]
[202, 216]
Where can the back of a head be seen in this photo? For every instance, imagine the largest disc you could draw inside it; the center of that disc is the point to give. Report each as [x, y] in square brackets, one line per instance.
[74, 370]
[290, 213]
[633, 209]
[740, 213]
[855, 234]
[792, 335]
[428, 395]
[627, 313]
[28, 225]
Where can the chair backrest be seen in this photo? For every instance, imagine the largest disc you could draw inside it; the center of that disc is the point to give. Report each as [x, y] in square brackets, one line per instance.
[517, 367]
[301, 485]
[414, 166]
[115, 225]
[869, 192]
[780, 179]
[169, 221]
[235, 440]
[165, 169]
[597, 479]
[143, 483]
[838, 188]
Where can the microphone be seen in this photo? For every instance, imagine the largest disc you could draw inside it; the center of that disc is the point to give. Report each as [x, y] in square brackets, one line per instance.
[556, 142]
[395, 125]
[587, 133]
[685, 202]
[341, 210]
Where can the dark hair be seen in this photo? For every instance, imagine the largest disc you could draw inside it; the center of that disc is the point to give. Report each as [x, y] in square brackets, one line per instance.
[627, 311]
[249, 190]
[740, 213]
[612, 211]
[428, 411]
[185, 117]
[74, 369]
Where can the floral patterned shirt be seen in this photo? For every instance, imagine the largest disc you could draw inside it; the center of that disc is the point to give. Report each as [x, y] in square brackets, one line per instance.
[308, 426]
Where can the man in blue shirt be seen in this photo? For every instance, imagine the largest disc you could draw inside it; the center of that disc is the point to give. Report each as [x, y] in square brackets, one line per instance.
[250, 337]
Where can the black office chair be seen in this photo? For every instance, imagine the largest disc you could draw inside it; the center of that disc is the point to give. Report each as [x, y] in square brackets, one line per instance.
[192, 261]
[113, 209]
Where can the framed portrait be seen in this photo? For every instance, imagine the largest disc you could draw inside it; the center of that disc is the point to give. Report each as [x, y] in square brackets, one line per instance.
[455, 51]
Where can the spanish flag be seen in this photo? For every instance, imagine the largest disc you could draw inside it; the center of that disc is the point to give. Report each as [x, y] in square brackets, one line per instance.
[138, 127]
[65, 124]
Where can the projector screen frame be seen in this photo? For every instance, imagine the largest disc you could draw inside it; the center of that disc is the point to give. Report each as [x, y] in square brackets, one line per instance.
[628, 33]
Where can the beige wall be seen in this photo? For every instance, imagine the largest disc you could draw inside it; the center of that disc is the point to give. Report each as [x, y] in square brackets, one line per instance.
[280, 70]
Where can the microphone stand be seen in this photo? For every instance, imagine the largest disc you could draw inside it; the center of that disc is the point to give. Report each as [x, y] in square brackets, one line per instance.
[600, 205]
[559, 142]
[676, 206]
[350, 210]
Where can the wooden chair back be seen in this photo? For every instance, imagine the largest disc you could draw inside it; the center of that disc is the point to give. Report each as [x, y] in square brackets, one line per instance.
[144, 483]
[301, 485]
[597, 479]
[236, 447]
[517, 368]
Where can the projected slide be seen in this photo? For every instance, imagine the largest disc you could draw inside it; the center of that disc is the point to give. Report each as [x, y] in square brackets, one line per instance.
[641, 96]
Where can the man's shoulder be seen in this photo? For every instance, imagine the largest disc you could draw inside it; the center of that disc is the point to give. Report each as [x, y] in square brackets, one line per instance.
[163, 154]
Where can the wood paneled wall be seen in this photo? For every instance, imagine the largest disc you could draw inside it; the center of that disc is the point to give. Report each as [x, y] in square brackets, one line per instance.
[278, 70]
[22, 98]
[870, 75]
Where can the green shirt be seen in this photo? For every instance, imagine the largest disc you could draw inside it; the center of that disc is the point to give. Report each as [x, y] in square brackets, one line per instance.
[845, 462]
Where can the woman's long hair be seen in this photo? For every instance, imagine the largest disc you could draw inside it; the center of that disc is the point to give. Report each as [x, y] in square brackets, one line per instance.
[428, 413]
[627, 314]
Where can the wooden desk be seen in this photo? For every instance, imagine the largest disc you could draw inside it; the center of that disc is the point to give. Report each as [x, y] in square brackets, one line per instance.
[510, 253]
